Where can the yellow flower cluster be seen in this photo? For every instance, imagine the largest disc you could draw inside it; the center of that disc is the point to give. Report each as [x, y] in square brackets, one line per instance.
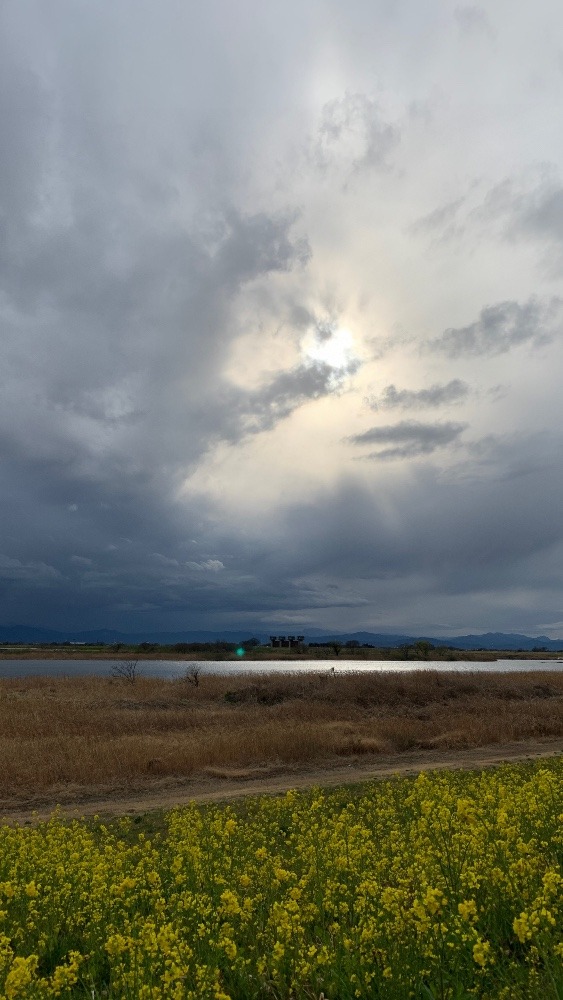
[447, 886]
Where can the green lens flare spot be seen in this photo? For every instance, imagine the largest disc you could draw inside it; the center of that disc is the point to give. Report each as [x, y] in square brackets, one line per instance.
[240, 651]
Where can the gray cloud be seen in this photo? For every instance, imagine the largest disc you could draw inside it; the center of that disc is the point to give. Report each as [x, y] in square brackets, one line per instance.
[544, 213]
[150, 356]
[428, 539]
[353, 135]
[442, 222]
[119, 301]
[474, 518]
[170, 192]
[409, 399]
[527, 209]
[409, 438]
[38, 574]
[474, 20]
[25, 128]
[431, 541]
[502, 327]
[262, 409]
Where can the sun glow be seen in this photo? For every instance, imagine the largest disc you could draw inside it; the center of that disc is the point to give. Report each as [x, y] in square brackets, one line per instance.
[330, 346]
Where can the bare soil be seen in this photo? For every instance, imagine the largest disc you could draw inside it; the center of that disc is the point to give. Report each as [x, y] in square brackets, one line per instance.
[222, 784]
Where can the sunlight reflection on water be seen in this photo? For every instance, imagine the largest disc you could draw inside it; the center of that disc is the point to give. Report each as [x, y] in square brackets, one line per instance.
[171, 669]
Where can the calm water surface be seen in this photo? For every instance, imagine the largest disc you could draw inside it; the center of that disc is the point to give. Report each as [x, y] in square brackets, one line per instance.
[171, 669]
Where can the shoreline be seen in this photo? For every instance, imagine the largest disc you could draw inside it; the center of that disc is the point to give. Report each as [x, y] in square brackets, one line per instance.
[316, 653]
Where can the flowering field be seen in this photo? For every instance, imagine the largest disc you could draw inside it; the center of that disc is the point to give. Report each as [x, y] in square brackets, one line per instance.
[444, 886]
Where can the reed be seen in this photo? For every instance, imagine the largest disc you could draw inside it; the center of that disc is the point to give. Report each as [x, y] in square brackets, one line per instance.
[97, 731]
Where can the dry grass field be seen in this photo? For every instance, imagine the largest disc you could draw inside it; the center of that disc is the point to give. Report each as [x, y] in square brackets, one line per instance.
[103, 732]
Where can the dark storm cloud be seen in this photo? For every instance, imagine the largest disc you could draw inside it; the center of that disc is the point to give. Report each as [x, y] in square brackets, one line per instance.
[36, 574]
[409, 438]
[423, 539]
[426, 539]
[502, 327]
[119, 298]
[171, 189]
[410, 399]
[454, 532]
[149, 357]
[124, 260]
[100, 461]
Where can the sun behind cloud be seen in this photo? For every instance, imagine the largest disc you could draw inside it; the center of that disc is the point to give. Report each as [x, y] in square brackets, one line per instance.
[333, 346]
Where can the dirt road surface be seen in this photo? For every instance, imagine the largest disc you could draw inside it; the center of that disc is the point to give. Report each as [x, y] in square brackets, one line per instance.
[222, 784]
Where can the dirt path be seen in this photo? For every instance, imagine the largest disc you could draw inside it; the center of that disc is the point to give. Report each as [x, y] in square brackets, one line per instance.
[224, 785]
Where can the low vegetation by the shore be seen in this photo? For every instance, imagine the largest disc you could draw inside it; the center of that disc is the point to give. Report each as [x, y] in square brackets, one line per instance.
[106, 732]
[443, 887]
[421, 651]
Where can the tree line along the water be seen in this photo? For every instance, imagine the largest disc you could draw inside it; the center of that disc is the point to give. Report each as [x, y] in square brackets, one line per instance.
[253, 648]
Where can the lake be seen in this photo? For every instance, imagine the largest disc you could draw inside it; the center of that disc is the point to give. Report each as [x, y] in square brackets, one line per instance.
[174, 669]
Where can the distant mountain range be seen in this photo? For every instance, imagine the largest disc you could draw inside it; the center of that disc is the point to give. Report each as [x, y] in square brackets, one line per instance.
[490, 640]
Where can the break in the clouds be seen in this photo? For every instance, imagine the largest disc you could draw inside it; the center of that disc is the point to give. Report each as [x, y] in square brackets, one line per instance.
[263, 269]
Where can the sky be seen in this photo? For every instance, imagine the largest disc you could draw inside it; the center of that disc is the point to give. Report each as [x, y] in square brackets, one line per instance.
[281, 315]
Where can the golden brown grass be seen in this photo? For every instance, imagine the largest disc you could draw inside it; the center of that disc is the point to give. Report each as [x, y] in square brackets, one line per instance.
[100, 731]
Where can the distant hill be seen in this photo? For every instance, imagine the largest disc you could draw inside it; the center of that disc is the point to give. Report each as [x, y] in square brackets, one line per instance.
[26, 633]
[490, 640]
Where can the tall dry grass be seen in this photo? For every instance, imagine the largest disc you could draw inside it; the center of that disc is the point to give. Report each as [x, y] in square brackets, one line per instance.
[101, 732]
